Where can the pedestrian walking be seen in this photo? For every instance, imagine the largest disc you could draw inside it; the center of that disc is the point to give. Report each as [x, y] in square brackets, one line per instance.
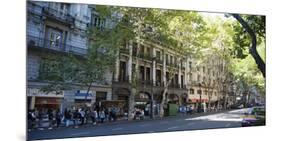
[50, 116]
[31, 119]
[106, 114]
[82, 116]
[58, 118]
[142, 115]
[76, 117]
[102, 115]
[94, 116]
[67, 117]
[113, 110]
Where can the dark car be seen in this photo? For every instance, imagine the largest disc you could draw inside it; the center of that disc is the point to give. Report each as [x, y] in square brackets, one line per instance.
[254, 117]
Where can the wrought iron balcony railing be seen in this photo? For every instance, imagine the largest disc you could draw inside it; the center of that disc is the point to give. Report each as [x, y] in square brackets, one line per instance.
[62, 16]
[44, 43]
[124, 50]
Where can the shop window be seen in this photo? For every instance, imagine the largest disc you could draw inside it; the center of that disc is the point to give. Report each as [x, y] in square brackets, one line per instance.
[100, 96]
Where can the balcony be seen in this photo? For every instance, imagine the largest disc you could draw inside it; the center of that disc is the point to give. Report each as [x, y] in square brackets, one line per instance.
[124, 51]
[146, 56]
[172, 65]
[61, 16]
[159, 61]
[42, 43]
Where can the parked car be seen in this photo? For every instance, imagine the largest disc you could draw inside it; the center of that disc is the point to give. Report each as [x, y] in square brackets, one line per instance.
[237, 106]
[254, 117]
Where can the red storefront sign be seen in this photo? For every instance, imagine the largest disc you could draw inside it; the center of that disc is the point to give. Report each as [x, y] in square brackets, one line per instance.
[195, 100]
[47, 100]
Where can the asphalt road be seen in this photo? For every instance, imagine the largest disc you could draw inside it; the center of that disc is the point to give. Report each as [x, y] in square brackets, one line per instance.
[228, 119]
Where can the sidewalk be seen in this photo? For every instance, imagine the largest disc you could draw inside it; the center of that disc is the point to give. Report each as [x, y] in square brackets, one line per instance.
[123, 121]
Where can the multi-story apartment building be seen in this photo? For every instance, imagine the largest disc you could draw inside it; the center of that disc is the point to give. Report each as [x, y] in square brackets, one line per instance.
[55, 29]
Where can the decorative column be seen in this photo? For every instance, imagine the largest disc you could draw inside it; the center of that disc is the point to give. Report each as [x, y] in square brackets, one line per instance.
[117, 64]
[109, 95]
[154, 66]
[179, 76]
[32, 103]
[129, 64]
[185, 73]
[164, 68]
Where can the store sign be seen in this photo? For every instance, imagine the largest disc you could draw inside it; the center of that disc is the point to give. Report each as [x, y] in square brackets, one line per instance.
[37, 92]
[48, 101]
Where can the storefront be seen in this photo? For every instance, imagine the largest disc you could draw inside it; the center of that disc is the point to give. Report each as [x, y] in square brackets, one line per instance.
[82, 99]
[39, 100]
[43, 103]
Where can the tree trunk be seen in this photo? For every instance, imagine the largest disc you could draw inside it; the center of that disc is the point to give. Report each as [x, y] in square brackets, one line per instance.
[88, 90]
[253, 49]
[132, 103]
[164, 98]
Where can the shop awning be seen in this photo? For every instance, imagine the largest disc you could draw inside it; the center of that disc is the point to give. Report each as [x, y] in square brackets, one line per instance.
[48, 100]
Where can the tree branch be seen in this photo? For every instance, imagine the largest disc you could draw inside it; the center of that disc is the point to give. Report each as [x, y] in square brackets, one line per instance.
[253, 49]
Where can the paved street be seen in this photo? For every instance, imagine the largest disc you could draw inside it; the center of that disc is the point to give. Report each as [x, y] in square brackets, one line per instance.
[219, 120]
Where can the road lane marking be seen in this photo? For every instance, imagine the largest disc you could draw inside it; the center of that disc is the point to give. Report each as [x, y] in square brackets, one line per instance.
[227, 125]
[174, 127]
[115, 129]
[81, 133]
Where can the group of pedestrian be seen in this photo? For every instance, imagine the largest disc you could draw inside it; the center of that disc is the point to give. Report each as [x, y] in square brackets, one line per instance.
[138, 114]
[75, 117]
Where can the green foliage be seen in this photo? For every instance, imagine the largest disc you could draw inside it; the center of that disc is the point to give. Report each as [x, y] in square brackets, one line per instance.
[242, 39]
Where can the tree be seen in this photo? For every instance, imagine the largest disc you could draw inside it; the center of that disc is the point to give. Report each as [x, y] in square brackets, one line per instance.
[255, 27]
[69, 70]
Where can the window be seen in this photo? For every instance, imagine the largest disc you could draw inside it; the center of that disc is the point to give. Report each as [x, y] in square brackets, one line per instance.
[122, 70]
[54, 37]
[158, 55]
[190, 77]
[191, 91]
[167, 76]
[98, 22]
[141, 72]
[135, 47]
[158, 77]
[147, 74]
[203, 69]
[199, 92]
[198, 78]
[148, 51]
[141, 51]
[167, 59]
[190, 65]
